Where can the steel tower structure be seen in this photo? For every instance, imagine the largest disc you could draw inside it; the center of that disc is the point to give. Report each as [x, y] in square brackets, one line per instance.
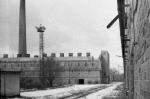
[41, 29]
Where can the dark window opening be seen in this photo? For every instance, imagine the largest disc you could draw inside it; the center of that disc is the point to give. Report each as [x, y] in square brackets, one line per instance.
[81, 81]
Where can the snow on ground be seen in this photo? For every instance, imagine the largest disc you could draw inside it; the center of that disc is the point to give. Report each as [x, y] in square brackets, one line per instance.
[66, 91]
[59, 91]
[104, 92]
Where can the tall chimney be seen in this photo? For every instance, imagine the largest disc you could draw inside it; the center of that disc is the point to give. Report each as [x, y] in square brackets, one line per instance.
[22, 31]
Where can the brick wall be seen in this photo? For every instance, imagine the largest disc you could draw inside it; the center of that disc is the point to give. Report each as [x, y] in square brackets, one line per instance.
[138, 66]
[54, 72]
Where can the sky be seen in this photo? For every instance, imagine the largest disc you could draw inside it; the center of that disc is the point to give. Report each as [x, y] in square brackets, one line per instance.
[71, 26]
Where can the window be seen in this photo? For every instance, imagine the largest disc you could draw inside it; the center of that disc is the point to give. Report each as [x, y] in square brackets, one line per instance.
[92, 64]
[86, 64]
[78, 64]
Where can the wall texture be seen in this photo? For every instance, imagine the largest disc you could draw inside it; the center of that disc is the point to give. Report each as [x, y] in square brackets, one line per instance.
[105, 75]
[54, 71]
[29, 67]
[138, 65]
[9, 83]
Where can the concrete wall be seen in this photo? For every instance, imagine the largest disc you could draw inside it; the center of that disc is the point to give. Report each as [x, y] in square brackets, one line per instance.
[70, 69]
[89, 77]
[10, 83]
[138, 65]
[105, 75]
[29, 67]
[58, 71]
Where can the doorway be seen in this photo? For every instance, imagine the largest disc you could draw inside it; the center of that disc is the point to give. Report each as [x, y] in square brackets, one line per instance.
[80, 81]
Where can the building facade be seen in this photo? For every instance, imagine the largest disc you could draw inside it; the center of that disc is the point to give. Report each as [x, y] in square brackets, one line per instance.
[55, 71]
[105, 65]
[77, 70]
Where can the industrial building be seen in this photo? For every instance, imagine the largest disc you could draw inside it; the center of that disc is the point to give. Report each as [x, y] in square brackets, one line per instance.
[43, 71]
[77, 69]
[56, 71]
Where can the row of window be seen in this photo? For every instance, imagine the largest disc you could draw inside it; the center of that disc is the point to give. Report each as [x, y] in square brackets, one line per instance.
[78, 64]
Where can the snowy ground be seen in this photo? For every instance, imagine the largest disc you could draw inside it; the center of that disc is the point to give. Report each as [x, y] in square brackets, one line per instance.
[59, 92]
[104, 92]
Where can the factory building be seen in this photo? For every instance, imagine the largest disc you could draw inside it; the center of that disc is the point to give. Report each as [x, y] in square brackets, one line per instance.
[105, 75]
[57, 71]
[76, 69]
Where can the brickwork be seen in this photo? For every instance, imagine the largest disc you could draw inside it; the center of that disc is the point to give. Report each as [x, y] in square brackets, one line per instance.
[55, 71]
[138, 66]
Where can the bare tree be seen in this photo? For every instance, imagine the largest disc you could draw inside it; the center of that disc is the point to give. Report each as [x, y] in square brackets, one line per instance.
[115, 75]
[53, 69]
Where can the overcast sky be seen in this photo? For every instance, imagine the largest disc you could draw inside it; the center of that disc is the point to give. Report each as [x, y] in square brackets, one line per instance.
[71, 26]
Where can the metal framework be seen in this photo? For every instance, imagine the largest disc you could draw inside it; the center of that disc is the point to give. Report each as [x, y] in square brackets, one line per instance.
[41, 30]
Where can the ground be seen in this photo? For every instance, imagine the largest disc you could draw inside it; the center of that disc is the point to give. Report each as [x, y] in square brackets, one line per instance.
[99, 91]
[118, 93]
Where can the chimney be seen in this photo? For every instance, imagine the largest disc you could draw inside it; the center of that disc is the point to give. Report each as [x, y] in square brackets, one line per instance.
[5, 55]
[61, 54]
[22, 31]
[70, 54]
[88, 54]
[79, 54]
[53, 55]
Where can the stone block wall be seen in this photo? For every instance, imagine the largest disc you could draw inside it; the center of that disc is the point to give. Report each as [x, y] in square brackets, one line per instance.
[138, 65]
[53, 72]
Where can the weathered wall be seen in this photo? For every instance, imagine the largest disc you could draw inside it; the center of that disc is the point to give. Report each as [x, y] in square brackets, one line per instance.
[9, 83]
[71, 69]
[138, 66]
[105, 75]
[54, 71]
[29, 67]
